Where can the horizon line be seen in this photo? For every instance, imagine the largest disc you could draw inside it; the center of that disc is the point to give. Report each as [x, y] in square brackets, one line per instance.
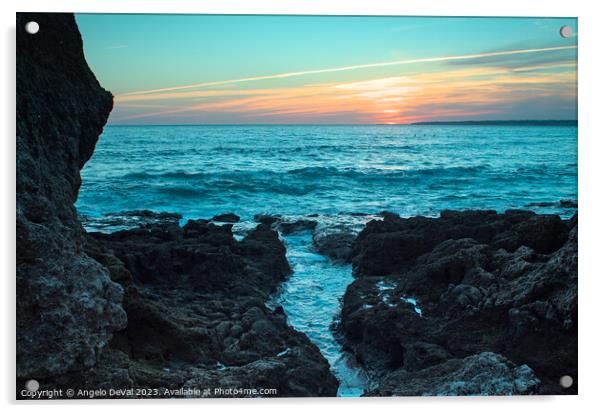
[350, 124]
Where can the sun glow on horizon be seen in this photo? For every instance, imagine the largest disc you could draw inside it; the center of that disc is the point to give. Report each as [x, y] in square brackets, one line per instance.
[464, 92]
[503, 83]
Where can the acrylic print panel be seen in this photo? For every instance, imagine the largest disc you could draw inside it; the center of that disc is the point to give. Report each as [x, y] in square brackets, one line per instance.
[313, 206]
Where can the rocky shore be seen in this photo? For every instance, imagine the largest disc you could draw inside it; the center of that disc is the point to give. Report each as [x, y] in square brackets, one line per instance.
[197, 317]
[472, 302]
[67, 305]
[159, 307]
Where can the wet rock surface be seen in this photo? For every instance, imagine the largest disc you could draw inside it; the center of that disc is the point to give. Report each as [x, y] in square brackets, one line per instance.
[563, 203]
[435, 291]
[227, 217]
[483, 374]
[195, 299]
[267, 219]
[299, 225]
[335, 245]
[129, 219]
[157, 307]
[67, 305]
[287, 226]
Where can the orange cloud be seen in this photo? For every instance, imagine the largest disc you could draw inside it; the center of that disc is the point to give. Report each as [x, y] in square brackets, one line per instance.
[456, 93]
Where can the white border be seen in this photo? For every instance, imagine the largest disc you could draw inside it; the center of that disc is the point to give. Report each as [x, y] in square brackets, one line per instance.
[339, 7]
[590, 156]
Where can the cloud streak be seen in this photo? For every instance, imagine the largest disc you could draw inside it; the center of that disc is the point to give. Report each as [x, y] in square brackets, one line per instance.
[354, 67]
[470, 92]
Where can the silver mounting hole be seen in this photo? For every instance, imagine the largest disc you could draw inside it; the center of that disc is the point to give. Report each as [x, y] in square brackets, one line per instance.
[32, 385]
[566, 381]
[32, 27]
[566, 31]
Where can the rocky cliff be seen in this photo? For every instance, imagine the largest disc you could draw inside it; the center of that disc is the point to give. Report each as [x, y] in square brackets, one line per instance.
[195, 297]
[67, 305]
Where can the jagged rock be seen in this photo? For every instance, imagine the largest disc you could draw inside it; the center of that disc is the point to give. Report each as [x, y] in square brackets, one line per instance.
[568, 203]
[129, 219]
[197, 316]
[484, 282]
[337, 245]
[267, 219]
[286, 226]
[67, 305]
[227, 217]
[393, 244]
[485, 373]
[194, 296]
[563, 203]
[291, 227]
[196, 301]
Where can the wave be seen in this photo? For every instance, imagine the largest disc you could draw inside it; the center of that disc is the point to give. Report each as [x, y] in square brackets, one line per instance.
[307, 172]
[326, 180]
[180, 191]
[164, 175]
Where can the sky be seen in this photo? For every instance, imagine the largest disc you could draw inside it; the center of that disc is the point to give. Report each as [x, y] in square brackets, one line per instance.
[218, 69]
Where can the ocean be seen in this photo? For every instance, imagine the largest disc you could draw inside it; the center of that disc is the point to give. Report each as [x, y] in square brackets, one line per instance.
[201, 171]
[341, 175]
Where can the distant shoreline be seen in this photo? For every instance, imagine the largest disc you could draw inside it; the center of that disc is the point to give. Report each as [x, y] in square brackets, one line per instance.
[503, 123]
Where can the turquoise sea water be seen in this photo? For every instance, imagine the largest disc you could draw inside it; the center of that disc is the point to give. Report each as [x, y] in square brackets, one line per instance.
[296, 170]
[337, 172]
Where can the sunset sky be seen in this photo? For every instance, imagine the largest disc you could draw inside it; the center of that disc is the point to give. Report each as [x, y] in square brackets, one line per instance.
[193, 69]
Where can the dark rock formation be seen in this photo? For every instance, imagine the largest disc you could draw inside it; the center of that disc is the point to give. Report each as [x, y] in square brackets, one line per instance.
[286, 226]
[267, 219]
[484, 374]
[299, 225]
[335, 245]
[194, 296]
[563, 203]
[115, 221]
[227, 217]
[394, 244]
[195, 299]
[433, 290]
[67, 305]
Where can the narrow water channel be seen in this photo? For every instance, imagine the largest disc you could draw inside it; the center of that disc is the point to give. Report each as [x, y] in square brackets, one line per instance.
[311, 299]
